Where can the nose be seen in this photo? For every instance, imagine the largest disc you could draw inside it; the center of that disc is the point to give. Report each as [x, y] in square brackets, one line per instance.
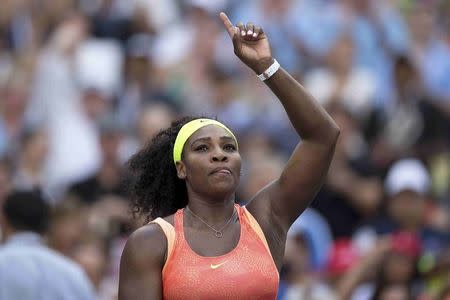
[219, 156]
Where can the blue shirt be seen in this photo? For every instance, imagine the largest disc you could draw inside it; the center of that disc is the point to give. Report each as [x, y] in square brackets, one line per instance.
[30, 270]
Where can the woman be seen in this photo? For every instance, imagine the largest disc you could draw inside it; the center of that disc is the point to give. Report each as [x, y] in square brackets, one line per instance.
[202, 245]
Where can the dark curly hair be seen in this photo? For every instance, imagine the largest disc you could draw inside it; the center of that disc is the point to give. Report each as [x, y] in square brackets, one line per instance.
[155, 189]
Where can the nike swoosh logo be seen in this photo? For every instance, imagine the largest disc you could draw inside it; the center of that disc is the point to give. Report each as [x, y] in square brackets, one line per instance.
[216, 266]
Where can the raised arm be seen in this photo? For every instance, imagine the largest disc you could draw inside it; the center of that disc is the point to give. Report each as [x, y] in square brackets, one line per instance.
[280, 203]
[307, 167]
[141, 264]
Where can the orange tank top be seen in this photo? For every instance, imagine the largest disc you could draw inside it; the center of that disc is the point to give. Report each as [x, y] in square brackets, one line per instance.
[246, 272]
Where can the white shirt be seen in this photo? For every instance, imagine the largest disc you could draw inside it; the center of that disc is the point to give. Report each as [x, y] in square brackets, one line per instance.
[30, 270]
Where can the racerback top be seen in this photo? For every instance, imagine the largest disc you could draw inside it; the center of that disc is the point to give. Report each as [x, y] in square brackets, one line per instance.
[246, 272]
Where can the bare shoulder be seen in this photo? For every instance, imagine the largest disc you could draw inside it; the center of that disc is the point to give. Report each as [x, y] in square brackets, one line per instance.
[149, 237]
[142, 262]
[146, 246]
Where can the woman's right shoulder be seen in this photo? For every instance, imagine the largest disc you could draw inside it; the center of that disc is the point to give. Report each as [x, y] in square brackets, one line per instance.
[147, 244]
[152, 237]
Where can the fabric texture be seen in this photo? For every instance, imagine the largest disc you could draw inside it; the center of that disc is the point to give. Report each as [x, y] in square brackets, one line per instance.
[246, 272]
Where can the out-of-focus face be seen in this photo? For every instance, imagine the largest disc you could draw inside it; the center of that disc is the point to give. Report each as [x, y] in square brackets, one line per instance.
[296, 255]
[406, 208]
[152, 120]
[279, 7]
[95, 104]
[398, 268]
[110, 144]
[138, 69]
[405, 78]
[36, 149]
[66, 232]
[394, 292]
[211, 163]
[341, 56]
[359, 6]
[92, 259]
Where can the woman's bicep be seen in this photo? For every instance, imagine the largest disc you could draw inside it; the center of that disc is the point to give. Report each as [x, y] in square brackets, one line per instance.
[282, 201]
[141, 264]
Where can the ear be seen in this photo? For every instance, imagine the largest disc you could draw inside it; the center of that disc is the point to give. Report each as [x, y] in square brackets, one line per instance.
[181, 170]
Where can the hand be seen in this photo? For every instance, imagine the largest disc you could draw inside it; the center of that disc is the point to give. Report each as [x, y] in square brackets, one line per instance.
[250, 44]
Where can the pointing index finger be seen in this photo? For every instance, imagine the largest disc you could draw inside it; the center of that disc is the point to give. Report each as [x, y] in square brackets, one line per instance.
[228, 25]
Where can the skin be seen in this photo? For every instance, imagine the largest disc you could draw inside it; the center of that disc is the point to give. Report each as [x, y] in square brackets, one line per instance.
[211, 195]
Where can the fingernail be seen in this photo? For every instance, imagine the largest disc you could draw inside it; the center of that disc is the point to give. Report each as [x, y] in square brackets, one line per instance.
[255, 34]
[250, 32]
[243, 33]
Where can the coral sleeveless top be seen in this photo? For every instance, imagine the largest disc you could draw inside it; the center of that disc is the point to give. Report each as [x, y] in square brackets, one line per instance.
[246, 272]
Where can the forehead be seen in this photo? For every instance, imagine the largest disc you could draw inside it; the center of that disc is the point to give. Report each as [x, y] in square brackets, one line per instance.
[209, 131]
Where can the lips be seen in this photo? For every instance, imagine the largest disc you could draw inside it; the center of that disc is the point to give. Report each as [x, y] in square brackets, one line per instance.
[221, 170]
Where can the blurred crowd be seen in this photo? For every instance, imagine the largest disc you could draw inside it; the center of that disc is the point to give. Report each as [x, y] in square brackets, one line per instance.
[85, 83]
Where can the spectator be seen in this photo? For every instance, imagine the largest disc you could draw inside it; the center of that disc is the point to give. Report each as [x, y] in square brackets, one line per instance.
[301, 283]
[68, 225]
[406, 186]
[307, 249]
[411, 123]
[30, 173]
[28, 269]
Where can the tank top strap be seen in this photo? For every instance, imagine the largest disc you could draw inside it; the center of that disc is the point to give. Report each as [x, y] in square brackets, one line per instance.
[251, 221]
[178, 222]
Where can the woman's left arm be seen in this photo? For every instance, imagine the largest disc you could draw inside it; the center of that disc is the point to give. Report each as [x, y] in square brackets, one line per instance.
[308, 165]
[286, 198]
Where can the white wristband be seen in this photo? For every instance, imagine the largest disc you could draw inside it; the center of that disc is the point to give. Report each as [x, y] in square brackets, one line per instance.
[270, 71]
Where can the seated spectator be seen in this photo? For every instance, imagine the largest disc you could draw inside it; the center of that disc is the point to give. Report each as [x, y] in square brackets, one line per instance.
[315, 229]
[406, 185]
[299, 282]
[28, 269]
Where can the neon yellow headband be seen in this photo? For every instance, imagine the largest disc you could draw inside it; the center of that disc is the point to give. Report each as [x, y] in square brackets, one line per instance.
[188, 129]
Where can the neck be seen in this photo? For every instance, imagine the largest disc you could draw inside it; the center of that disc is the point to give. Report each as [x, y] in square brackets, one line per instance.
[213, 212]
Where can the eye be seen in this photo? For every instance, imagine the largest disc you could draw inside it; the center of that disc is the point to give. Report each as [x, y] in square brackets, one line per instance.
[229, 147]
[201, 148]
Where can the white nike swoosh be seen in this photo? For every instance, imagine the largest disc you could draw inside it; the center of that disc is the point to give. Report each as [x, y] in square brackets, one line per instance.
[216, 266]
